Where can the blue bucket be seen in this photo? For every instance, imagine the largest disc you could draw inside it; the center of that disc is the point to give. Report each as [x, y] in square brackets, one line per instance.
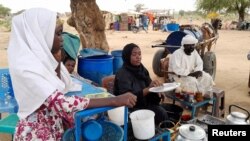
[118, 62]
[173, 27]
[95, 67]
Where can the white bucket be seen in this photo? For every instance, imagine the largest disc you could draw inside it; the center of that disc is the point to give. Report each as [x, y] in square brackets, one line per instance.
[143, 124]
[117, 115]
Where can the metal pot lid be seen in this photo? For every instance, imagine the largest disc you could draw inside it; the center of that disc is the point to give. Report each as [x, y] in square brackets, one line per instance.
[238, 115]
[192, 132]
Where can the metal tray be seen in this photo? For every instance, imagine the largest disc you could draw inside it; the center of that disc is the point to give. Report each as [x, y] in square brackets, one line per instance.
[210, 120]
[206, 120]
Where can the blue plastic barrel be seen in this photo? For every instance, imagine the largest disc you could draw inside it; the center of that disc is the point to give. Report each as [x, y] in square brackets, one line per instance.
[95, 67]
[172, 27]
[118, 62]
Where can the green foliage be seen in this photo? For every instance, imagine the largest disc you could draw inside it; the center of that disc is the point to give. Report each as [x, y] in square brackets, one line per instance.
[6, 23]
[4, 11]
[234, 6]
[181, 12]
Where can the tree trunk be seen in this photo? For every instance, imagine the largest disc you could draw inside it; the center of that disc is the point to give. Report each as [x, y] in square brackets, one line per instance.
[88, 21]
[241, 13]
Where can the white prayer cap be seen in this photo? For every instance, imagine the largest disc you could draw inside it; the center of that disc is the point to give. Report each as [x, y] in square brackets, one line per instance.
[189, 39]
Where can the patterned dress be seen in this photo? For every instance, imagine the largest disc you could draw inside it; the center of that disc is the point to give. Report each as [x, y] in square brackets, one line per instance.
[46, 123]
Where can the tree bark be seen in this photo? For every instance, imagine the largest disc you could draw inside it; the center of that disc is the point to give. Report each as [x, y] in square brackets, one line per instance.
[88, 21]
[241, 15]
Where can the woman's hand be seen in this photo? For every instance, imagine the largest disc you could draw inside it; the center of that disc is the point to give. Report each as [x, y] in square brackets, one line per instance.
[155, 83]
[127, 99]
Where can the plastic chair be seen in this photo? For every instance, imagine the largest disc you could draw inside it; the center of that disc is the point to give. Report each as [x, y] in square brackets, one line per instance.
[8, 103]
[8, 124]
[108, 83]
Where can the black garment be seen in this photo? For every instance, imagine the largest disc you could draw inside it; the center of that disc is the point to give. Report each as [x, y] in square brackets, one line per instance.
[134, 79]
[125, 81]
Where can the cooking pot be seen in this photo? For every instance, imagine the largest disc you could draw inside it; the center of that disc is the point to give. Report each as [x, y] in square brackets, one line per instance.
[191, 132]
[174, 111]
[237, 117]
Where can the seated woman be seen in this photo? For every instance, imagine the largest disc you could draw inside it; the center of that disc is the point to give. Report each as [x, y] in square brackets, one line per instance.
[40, 80]
[71, 45]
[134, 77]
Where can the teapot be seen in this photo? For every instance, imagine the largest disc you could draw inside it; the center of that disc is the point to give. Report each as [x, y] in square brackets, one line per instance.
[237, 117]
[191, 132]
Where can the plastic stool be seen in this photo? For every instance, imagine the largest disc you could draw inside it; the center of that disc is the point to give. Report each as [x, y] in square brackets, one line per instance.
[219, 94]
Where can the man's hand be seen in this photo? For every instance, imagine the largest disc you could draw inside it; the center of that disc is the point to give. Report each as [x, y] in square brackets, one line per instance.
[196, 74]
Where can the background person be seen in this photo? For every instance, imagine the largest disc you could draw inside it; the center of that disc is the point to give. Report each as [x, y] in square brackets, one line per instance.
[71, 45]
[133, 77]
[40, 80]
[187, 66]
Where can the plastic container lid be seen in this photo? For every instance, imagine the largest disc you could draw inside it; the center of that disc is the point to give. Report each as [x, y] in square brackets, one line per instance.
[91, 131]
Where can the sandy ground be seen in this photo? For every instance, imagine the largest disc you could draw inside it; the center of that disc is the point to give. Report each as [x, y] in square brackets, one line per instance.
[231, 52]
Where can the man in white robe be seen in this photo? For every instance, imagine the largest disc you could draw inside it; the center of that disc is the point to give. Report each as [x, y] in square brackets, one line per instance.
[187, 67]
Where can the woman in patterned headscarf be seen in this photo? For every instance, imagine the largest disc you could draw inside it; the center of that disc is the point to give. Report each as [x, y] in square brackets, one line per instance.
[40, 80]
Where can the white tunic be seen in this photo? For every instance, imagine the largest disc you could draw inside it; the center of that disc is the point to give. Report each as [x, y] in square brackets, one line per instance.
[182, 65]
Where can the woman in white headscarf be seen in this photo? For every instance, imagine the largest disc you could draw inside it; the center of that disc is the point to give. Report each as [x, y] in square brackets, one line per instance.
[40, 80]
[187, 66]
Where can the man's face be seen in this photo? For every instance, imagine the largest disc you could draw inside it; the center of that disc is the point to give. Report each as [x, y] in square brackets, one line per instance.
[188, 48]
